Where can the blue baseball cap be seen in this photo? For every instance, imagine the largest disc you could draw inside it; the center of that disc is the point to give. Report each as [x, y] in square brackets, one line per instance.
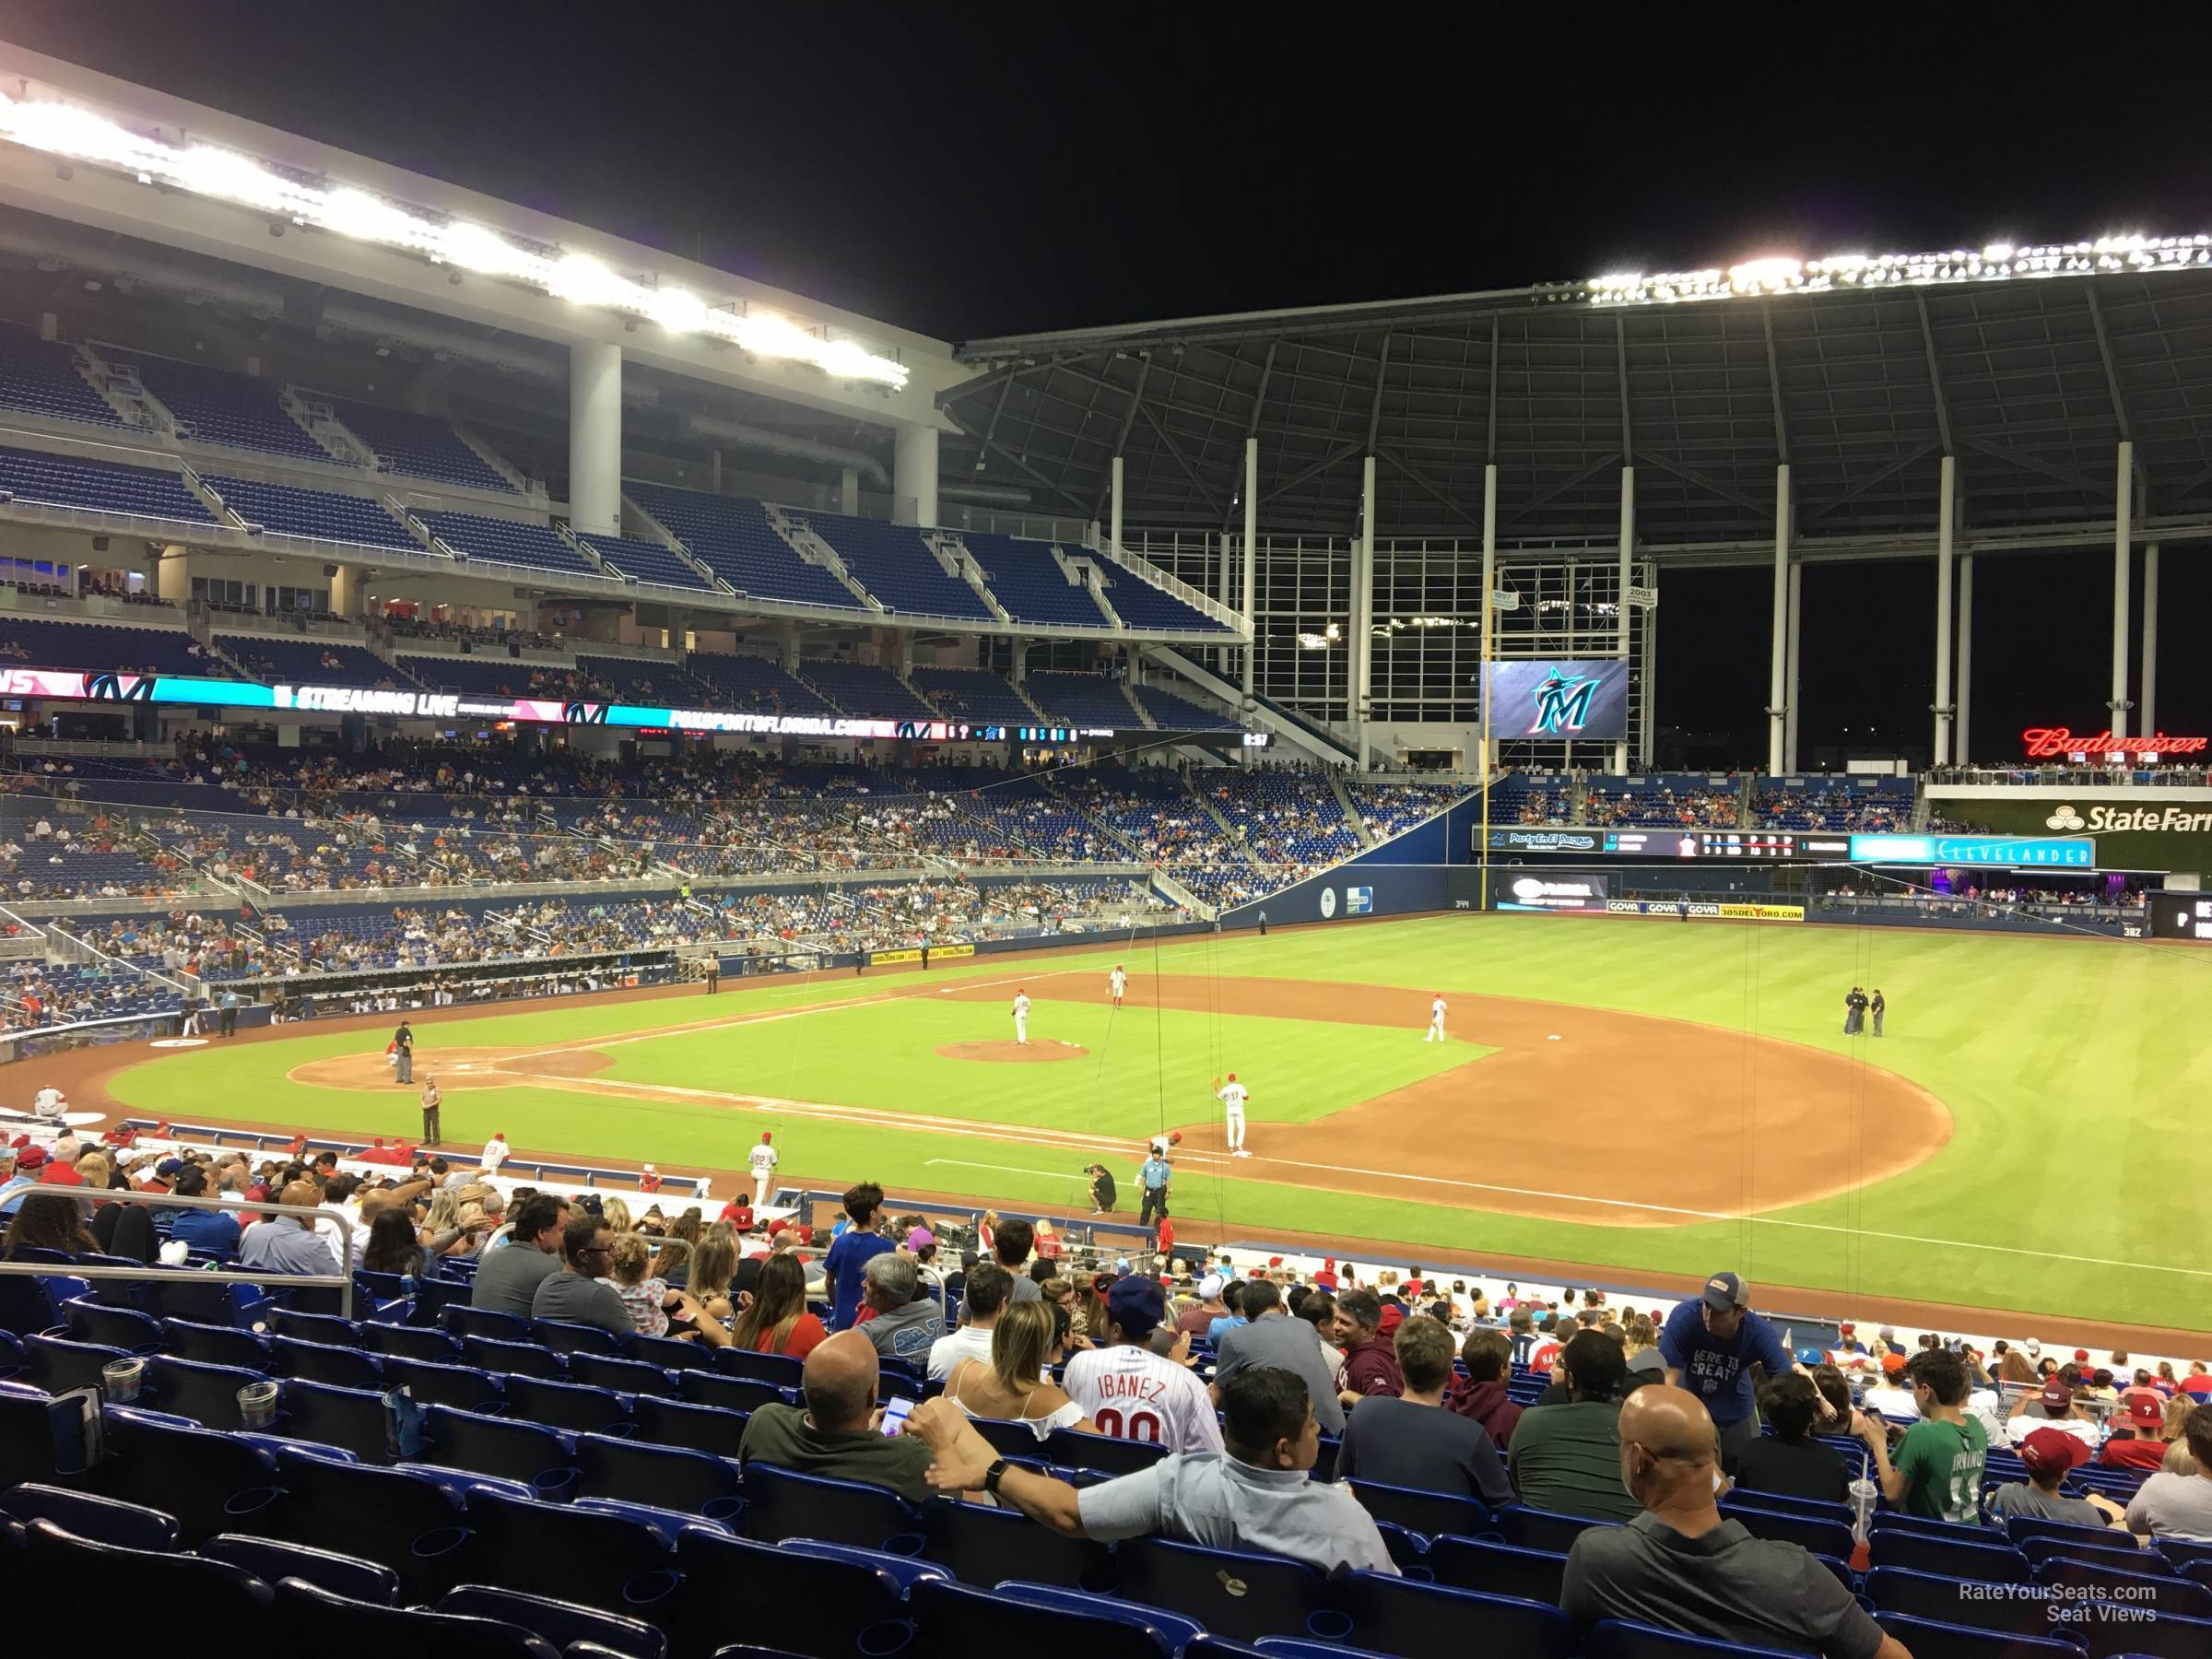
[1136, 1304]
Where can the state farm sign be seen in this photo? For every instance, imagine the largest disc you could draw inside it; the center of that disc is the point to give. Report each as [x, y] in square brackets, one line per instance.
[2100, 820]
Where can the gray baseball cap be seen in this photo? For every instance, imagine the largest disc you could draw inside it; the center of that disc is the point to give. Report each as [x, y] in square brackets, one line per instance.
[1724, 1292]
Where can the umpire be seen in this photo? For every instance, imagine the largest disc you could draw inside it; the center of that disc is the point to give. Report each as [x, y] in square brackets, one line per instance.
[403, 1053]
[1154, 1177]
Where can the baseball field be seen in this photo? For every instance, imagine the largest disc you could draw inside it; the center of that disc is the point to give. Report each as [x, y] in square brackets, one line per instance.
[1624, 1096]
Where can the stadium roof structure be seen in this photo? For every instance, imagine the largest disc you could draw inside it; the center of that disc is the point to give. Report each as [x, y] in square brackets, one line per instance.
[2029, 365]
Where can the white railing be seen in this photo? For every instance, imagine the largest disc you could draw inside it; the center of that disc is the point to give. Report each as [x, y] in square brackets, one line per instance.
[1145, 571]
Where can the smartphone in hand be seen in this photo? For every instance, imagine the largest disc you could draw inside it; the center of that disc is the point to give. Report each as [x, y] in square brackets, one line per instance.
[895, 1412]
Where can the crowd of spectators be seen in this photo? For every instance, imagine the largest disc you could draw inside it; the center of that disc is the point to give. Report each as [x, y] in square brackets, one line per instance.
[1661, 806]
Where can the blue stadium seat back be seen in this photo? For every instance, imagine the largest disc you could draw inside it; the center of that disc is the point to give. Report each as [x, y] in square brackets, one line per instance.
[1543, 1529]
[663, 1521]
[559, 1623]
[322, 1362]
[980, 1545]
[1325, 1456]
[567, 1405]
[852, 1604]
[58, 1365]
[2169, 1636]
[625, 1376]
[433, 1296]
[462, 1485]
[1931, 1639]
[215, 1344]
[1081, 1451]
[669, 1354]
[732, 1394]
[1014, 1439]
[351, 1418]
[1431, 1514]
[316, 1328]
[1231, 1593]
[1408, 1548]
[231, 1599]
[205, 1393]
[1399, 1615]
[424, 1342]
[91, 1320]
[780, 1504]
[1624, 1639]
[1495, 1568]
[1950, 1601]
[955, 1618]
[2168, 1592]
[781, 1370]
[519, 1451]
[1822, 1537]
[601, 1560]
[1784, 1504]
[2183, 1552]
[513, 1359]
[1273, 1647]
[389, 1515]
[461, 1386]
[461, 1320]
[211, 1482]
[707, 1428]
[272, 1559]
[1995, 1562]
[2116, 1552]
[364, 1628]
[327, 1300]
[102, 1519]
[2022, 1528]
[690, 1481]
[1923, 1526]
[565, 1339]
[195, 1297]
[30, 1304]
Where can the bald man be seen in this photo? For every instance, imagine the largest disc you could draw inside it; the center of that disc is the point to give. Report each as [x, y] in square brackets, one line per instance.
[839, 1433]
[1680, 1566]
[289, 1243]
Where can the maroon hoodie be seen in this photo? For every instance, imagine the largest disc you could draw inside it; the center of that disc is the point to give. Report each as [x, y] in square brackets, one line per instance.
[1485, 1404]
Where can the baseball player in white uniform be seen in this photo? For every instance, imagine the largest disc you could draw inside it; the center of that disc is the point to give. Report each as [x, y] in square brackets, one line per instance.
[1436, 1019]
[1021, 1015]
[495, 1152]
[1117, 982]
[762, 1158]
[1232, 1096]
[49, 1104]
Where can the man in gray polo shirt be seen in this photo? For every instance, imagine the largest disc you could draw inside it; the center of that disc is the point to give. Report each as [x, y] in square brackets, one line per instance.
[1256, 1497]
[580, 1294]
[1274, 1338]
[1679, 1566]
[903, 1328]
[507, 1278]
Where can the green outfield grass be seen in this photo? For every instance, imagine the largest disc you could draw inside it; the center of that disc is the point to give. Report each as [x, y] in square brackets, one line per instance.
[2070, 1067]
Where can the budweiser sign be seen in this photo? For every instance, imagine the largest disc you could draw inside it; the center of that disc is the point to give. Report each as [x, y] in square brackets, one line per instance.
[2051, 742]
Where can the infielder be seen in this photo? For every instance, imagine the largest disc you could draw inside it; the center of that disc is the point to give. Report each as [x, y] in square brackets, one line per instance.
[1232, 1096]
[1117, 982]
[48, 1105]
[1436, 1019]
[763, 1161]
[1021, 1015]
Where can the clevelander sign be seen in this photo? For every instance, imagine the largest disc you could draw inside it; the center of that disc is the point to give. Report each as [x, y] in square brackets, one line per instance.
[2134, 828]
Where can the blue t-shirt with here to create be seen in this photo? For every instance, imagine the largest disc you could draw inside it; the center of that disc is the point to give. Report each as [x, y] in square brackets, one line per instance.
[848, 1259]
[1720, 1372]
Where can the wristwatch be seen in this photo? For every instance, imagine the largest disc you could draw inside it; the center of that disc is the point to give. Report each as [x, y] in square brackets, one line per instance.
[992, 1476]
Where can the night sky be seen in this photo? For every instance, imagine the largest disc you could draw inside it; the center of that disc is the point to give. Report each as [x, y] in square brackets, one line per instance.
[979, 171]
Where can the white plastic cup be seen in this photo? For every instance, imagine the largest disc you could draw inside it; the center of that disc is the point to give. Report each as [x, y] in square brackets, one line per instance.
[120, 1378]
[257, 1404]
[1863, 1493]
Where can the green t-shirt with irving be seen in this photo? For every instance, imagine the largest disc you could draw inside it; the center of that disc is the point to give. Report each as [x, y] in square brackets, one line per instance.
[1942, 1463]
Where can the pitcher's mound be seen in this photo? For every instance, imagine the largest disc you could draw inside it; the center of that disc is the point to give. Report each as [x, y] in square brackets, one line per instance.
[1021, 1054]
[453, 1068]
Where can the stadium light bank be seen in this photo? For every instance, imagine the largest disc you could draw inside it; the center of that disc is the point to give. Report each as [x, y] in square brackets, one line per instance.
[73, 132]
[2000, 262]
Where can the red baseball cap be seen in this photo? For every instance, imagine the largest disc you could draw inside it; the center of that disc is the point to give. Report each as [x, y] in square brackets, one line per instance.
[2057, 1396]
[31, 1157]
[2145, 1411]
[2053, 1450]
[2081, 1356]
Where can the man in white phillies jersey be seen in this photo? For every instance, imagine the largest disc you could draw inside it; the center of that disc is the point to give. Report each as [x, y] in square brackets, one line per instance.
[49, 1104]
[1117, 982]
[1436, 1019]
[762, 1158]
[1232, 1096]
[1133, 1394]
[1021, 1015]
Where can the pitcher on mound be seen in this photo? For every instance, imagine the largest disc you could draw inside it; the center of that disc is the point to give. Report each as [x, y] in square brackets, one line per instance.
[1232, 1096]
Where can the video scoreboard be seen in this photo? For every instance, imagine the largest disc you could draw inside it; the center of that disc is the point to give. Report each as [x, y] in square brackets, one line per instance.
[2178, 915]
[1760, 846]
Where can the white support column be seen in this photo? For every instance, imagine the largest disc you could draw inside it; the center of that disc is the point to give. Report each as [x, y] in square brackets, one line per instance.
[1946, 501]
[2147, 723]
[1962, 727]
[1650, 682]
[1489, 609]
[914, 471]
[2122, 519]
[1620, 591]
[1778, 685]
[1789, 720]
[1361, 664]
[595, 437]
[1113, 519]
[848, 491]
[1227, 594]
[1251, 554]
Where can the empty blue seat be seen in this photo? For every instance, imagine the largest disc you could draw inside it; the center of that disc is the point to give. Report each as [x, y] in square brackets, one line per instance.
[980, 1545]
[732, 1394]
[781, 1504]
[519, 1451]
[853, 1605]
[565, 1404]
[669, 1354]
[551, 1550]
[395, 1516]
[1927, 1638]
[358, 1630]
[1078, 1450]
[1230, 1591]
[1995, 1562]
[2165, 1592]
[1497, 1568]
[1822, 1537]
[955, 1618]
[58, 1365]
[28, 1303]
[321, 1363]
[559, 1623]
[205, 1393]
[91, 1320]
[103, 1520]
[1431, 1514]
[349, 1419]
[408, 1342]
[461, 1386]
[1543, 1529]
[1946, 1600]
[779, 1369]
[1400, 1615]
[625, 1376]
[318, 1328]
[565, 1339]
[461, 1320]
[668, 1476]
[708, 1429]
[2169, 1636]
[215, 1344]
[1624, 1639]
[228, 1597]
[513, 1359]
[271, 1560]
[211, 1482]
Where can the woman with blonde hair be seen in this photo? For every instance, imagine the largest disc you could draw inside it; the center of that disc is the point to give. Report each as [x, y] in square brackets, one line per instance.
[1640, 1338]
[615, 1213]
[712, 1263]
[775, 1320]
[1013, 1387]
